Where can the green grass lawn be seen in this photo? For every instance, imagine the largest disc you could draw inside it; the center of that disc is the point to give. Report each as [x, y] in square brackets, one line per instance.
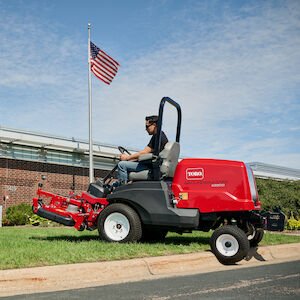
[39, 246]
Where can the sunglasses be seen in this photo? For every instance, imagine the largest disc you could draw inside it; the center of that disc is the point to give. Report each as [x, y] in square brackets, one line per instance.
[147, 126]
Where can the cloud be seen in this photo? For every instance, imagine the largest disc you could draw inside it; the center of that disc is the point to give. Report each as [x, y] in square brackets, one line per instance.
[41, 75]
[234, 70]
[227, 81]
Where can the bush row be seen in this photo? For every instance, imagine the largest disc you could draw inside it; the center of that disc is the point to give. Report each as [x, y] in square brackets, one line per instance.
[22, 214]
[284, 194]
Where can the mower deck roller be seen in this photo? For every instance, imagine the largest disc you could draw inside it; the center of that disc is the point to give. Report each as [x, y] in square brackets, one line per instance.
[68, 221]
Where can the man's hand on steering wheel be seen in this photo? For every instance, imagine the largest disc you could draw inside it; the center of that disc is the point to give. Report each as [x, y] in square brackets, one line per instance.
[124, 156]
[108, 178]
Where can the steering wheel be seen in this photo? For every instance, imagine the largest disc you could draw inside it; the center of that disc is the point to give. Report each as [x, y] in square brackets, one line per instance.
[123, 150]
[109, 175]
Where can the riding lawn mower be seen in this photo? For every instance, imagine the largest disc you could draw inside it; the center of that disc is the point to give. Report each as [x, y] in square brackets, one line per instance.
[172, 195]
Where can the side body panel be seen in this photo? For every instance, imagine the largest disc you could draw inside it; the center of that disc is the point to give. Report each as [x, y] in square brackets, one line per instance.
[212, 185]
[152, 201]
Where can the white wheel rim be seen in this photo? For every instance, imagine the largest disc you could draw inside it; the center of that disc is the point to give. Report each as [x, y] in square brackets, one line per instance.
[116, 227]
[251, 236]
[227, 245]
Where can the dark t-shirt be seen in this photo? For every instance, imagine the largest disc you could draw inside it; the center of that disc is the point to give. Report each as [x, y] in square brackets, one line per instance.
[163, 142]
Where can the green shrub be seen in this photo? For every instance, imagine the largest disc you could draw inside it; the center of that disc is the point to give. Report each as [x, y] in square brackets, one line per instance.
[293, 224]
[284, 194]
[18, 214]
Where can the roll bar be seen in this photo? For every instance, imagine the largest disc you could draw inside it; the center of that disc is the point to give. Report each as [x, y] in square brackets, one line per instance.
[159, 122]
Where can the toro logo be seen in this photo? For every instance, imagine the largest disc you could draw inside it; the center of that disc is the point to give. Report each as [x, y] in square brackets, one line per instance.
[194, 173]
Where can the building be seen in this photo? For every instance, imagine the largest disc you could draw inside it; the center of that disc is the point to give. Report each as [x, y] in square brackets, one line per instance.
[26, 156]
[275, 172]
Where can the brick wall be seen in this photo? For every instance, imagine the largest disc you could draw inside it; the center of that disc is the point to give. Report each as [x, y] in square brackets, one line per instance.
[19, 180]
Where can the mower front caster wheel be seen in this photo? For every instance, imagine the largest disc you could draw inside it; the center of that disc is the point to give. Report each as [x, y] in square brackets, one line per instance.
[229, 244]
[256, 237]
[119, 223]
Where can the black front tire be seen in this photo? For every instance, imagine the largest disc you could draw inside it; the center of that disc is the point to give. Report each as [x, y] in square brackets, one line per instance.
[258, 236]
[119, 223]
[229, 244]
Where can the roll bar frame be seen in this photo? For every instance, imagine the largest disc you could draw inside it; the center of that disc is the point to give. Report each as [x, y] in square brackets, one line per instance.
[159, 122]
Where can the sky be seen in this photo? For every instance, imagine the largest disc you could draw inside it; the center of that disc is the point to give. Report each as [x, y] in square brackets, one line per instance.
[233, 66]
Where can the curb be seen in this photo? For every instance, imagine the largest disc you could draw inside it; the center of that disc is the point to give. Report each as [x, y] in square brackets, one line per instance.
[83, 275]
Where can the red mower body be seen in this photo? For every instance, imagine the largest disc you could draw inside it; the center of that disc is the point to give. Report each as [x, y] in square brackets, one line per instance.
[212, 185]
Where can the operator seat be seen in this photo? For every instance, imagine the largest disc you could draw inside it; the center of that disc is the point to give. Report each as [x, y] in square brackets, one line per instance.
[169, 159]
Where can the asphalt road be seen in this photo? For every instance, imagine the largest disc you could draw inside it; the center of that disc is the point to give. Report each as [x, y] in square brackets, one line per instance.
[276, 281]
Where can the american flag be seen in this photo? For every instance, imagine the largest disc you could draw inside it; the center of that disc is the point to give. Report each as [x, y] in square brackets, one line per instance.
[102, 65]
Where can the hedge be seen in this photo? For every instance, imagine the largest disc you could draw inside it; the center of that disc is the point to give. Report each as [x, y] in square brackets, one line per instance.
[284, 194]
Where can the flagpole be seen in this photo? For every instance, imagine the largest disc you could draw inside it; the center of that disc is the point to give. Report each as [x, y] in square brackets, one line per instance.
[91, 166]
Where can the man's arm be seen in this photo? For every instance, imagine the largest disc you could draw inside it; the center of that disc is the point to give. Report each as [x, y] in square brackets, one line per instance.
[136, 155]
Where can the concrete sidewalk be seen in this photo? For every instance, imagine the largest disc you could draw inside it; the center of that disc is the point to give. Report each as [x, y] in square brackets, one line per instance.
[72, 276]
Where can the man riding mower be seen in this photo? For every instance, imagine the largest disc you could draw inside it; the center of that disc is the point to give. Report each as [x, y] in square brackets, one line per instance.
[168, 195]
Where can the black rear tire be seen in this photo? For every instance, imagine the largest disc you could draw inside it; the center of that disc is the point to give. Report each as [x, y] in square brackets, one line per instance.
[119, 223]
[151, 234]
[229, 244]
